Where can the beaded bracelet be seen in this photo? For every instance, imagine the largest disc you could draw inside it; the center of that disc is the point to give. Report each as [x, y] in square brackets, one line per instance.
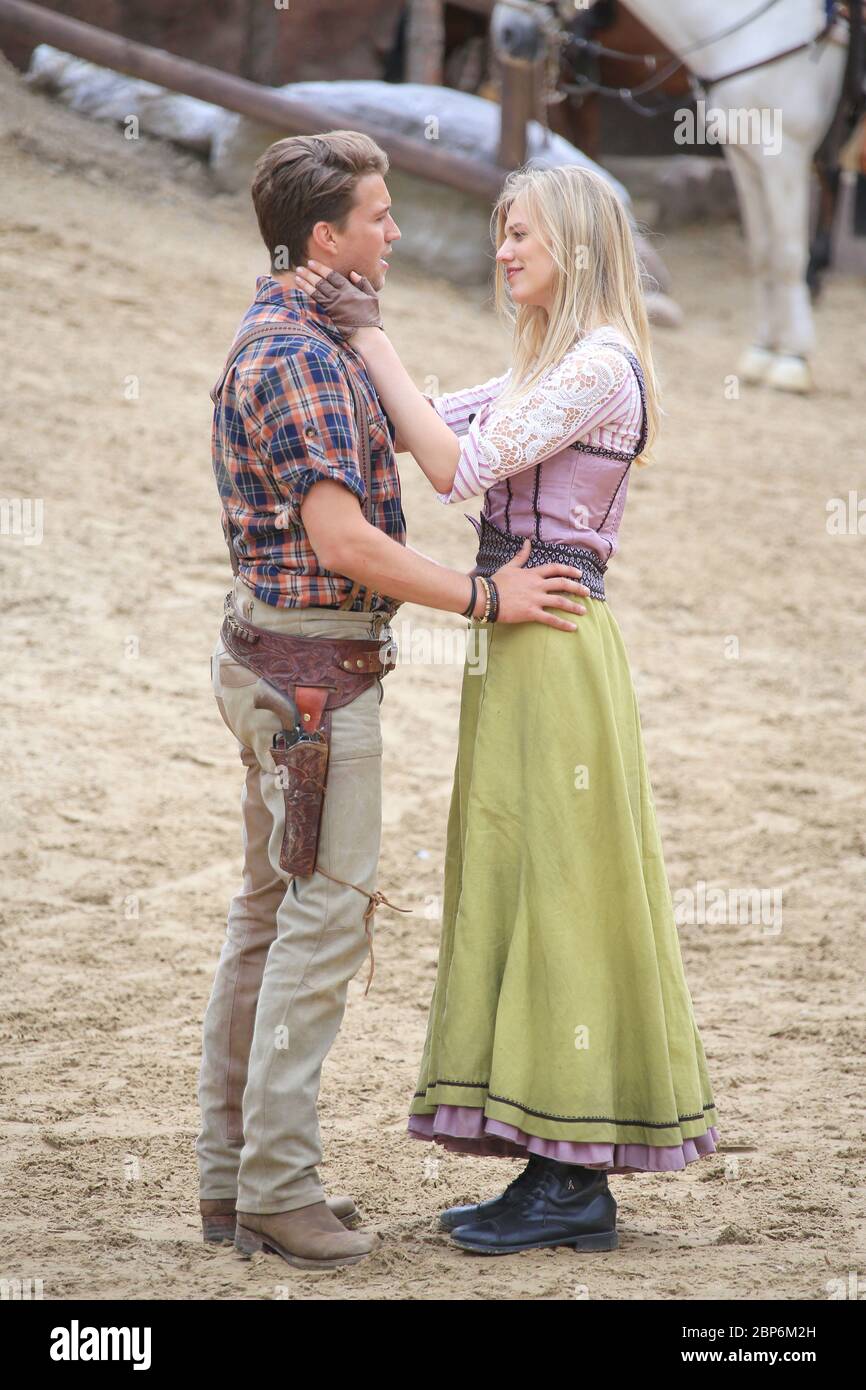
[468, 612]
[494, 614]
[485, 618]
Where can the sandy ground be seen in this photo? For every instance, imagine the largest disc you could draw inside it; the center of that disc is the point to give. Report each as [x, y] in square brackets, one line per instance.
[120, 828]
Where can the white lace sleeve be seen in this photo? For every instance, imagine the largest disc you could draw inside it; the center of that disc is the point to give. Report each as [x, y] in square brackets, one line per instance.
[587, 388]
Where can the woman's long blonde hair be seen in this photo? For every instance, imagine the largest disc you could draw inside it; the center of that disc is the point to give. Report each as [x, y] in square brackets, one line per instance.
[586, 229]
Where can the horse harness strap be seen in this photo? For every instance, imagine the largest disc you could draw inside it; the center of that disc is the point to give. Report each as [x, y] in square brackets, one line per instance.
[708, 82]
[629, 95]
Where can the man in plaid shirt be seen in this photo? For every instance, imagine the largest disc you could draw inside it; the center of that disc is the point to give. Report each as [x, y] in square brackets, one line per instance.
[308, 563]
[284, 422]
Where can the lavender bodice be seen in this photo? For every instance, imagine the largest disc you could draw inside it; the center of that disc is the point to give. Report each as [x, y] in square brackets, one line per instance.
[554, 465]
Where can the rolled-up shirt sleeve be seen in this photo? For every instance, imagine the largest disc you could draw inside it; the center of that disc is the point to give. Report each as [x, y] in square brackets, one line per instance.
[301, 413]
[589, 387]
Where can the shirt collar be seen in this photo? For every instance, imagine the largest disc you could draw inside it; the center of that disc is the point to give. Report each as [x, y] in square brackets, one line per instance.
[299, 305]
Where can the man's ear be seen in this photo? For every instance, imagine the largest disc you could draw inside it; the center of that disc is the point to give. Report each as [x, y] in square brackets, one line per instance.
[322, 244]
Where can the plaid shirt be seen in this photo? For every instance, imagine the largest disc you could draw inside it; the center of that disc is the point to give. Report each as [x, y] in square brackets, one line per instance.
[284, 421]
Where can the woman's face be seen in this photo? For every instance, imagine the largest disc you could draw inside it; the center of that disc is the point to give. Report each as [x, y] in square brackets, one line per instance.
[529, 267]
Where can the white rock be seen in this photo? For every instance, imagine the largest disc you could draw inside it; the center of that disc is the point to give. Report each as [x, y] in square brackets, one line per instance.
[110, 96]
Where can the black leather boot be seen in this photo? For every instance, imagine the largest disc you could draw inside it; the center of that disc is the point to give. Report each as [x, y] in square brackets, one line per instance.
[460, 1216]
[561, 1205]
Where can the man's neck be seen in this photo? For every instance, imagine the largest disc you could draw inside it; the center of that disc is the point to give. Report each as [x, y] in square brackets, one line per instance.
[286, 278]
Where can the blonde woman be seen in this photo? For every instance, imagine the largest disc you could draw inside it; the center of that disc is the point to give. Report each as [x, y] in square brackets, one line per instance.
[561, 1027]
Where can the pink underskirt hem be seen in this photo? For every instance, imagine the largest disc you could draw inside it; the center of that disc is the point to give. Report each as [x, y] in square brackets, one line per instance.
[465, 1129]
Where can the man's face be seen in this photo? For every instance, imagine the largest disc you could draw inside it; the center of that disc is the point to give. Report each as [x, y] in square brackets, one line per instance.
[365, 242]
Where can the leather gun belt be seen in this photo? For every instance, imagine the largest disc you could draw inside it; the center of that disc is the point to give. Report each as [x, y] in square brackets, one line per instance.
[306, 678]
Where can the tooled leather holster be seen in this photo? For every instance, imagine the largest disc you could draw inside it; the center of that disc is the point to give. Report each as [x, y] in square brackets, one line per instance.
[307, 678]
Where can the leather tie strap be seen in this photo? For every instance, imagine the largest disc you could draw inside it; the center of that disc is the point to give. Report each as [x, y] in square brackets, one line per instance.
[377, 899]
[310, 700]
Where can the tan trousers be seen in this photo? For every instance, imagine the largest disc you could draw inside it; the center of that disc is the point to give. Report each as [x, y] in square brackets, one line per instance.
[291, 945]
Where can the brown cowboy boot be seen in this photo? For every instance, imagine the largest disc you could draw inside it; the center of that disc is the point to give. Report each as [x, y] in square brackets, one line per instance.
[310, 1237]
[218, 1216]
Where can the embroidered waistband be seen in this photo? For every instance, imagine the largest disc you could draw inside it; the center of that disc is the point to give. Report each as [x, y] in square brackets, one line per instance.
[497, 547]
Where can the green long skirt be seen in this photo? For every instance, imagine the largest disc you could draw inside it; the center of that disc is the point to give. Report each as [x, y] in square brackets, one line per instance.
[561, 1022]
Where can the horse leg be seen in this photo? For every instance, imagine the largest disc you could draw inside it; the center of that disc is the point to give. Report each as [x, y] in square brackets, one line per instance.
[805, 89]
[820, 249]
[755, 362]
[787, 183]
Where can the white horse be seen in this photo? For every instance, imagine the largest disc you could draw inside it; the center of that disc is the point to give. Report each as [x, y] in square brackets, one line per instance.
[769, 108]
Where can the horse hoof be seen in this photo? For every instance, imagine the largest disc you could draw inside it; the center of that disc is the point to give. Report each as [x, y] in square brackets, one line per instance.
[789, 373]
[754, 365]
[663, 311]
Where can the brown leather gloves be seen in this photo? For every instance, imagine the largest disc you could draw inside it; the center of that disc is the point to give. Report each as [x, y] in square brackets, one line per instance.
[350, 306]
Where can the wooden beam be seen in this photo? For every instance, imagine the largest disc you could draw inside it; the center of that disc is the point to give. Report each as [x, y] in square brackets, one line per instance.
[520, 90]
[477, 6]
[265, 104]
[425, 42]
